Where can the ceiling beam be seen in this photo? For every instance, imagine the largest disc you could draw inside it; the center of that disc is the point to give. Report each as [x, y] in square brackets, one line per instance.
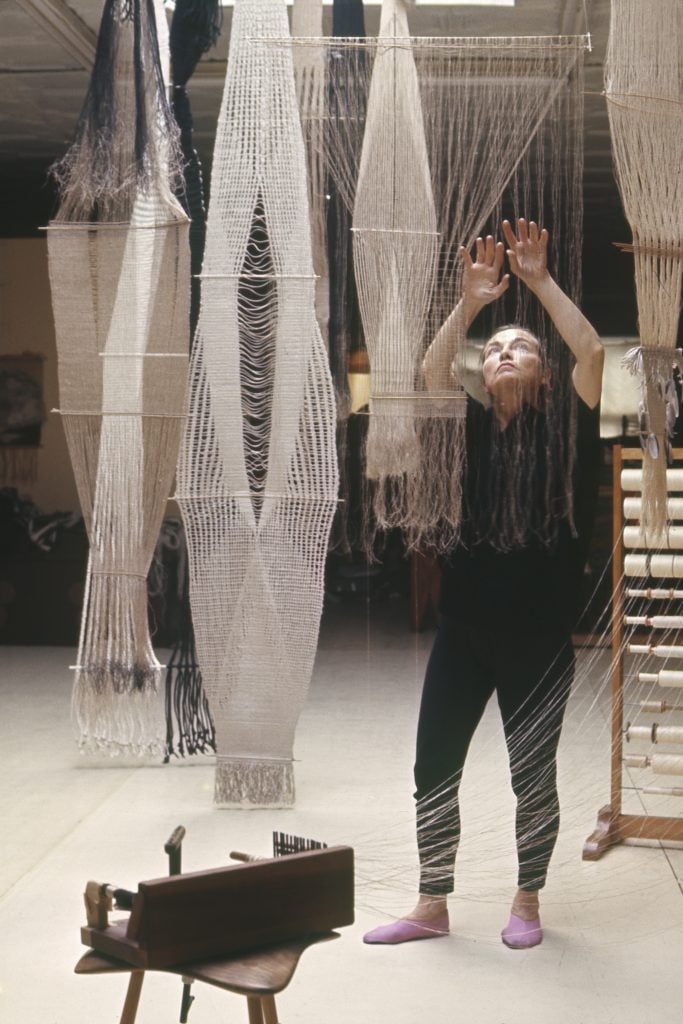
[65, 27]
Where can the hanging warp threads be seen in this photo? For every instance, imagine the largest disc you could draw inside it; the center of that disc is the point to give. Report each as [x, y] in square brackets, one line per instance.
[194, 30]
[454, 127]
[644, 91]
[257, 477]
[119, 272]
[309, 74]
[346, 345]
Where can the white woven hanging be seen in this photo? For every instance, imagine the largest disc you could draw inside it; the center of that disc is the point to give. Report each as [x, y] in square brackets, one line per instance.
[257, 477]
[119, 273]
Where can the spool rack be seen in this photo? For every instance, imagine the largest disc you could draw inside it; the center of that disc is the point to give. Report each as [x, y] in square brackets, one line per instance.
[660, 601]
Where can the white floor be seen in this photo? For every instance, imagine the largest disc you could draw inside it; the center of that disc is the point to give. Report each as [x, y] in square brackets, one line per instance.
[613, 946]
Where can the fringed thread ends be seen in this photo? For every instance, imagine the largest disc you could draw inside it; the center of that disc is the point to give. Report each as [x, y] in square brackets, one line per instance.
[118, 713]
[243, 782]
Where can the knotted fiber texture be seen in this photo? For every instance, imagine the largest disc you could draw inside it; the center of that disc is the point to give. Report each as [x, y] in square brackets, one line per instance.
[257, 476]
[119, 272]
[644, 90]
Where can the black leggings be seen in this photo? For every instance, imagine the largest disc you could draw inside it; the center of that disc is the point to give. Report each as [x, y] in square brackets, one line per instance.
[532, 676]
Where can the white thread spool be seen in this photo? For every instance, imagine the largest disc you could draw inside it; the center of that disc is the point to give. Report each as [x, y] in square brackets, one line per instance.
[655, 621]
[661, 764]
[661, 566]
[633, 508]
[658, 707]
[653, 707]
[656, 594]
[662, 790]
[658, 650]
[671, 539]
[666, 677]
[632, 479]
[654, 733]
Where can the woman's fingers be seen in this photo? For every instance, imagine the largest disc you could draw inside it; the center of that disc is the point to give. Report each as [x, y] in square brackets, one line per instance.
[488, 252]
[510, 236]
[498, 256]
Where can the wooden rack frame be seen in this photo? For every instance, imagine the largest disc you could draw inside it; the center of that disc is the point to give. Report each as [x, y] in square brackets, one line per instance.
[613, 826]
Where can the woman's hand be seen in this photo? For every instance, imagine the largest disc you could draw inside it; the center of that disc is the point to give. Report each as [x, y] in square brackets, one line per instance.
[482, 283]
[528, 252]
[527, 255]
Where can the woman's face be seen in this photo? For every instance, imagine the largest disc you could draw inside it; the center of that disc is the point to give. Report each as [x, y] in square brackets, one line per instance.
[512, 362]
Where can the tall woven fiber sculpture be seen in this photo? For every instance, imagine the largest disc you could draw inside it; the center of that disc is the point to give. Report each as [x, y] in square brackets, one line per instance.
[119, 272]
[195, 28]
[644, 90]
[453, 133]
[257, 476]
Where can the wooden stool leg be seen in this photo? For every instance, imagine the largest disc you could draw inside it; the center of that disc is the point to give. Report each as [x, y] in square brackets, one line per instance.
[254, 1007]
[269, 1011]
[130, 1006]
[187, 999]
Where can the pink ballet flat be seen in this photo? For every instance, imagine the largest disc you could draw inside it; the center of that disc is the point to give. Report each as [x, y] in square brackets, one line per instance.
[407, 931]
[521, 934]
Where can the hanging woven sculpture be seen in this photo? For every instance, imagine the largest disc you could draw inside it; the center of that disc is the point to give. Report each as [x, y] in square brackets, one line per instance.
[119, 273]
[455, 129]
[194, 30]
[644, 91]
[257, 477]
[396, 246]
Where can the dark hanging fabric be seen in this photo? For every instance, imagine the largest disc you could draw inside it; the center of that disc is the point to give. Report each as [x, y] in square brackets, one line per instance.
[345, 328]
[345, 324]
[195, 28]
[107, 165]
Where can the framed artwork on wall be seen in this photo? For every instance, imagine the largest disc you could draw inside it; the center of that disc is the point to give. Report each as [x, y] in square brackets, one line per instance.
[22, 414]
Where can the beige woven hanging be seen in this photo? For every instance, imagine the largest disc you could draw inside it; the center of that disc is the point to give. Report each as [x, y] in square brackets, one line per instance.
[119, 273]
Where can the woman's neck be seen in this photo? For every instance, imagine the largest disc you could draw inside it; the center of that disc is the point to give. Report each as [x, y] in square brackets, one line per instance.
[505, 408]
[509, 402]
